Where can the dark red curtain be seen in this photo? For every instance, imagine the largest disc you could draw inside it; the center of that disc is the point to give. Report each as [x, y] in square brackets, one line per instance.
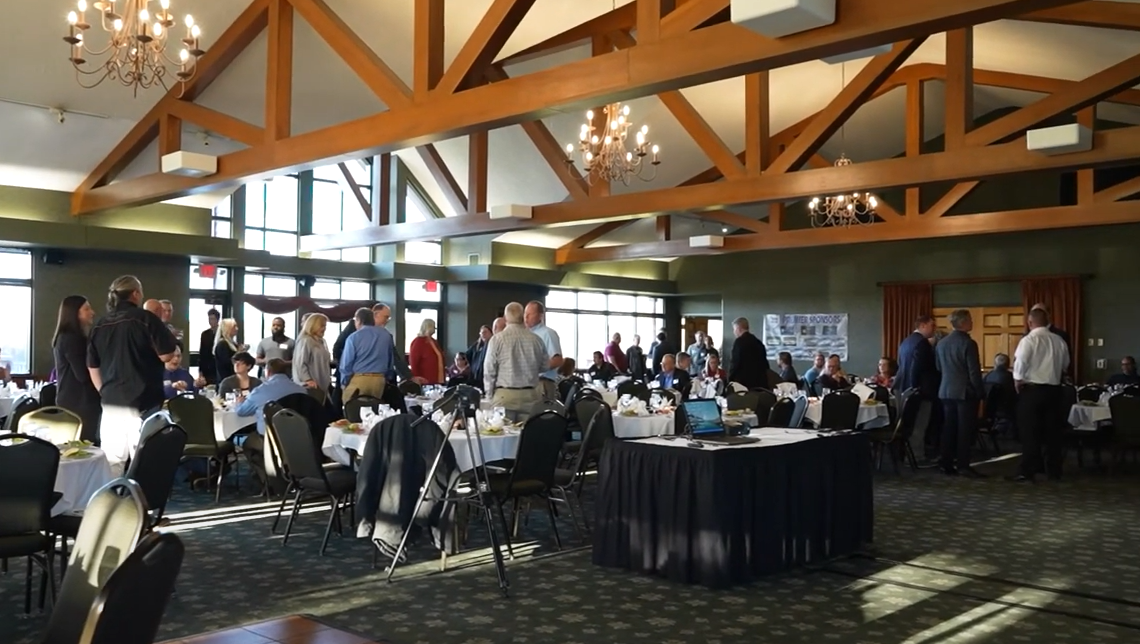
[1062, 297]
[338, 312]
[902, 305]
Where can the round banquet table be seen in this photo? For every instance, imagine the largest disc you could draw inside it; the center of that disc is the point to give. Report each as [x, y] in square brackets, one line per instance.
[869, 416]
[80, 478]
[338, 444]
[1086, 417]
[227, 423]
[644, 426]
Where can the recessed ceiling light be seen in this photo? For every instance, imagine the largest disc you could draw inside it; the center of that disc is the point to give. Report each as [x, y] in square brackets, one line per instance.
[724, 230]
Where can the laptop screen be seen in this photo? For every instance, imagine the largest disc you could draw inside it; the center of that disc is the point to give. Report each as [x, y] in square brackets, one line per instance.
[704, 416]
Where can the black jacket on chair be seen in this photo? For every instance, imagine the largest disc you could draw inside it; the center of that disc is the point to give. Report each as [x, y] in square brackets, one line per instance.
[395, 463]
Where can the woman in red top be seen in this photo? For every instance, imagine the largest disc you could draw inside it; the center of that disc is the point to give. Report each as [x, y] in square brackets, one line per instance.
[712, 368]
[425, 357]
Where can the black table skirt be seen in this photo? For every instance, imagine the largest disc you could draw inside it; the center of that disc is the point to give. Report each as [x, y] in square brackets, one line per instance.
[723, 517]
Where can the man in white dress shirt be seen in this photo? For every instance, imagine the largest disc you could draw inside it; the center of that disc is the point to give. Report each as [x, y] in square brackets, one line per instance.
[1039, 364]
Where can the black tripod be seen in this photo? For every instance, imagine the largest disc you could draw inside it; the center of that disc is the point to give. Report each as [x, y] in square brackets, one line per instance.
[460, 403]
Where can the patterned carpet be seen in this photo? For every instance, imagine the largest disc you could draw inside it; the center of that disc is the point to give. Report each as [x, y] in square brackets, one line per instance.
[954, 561]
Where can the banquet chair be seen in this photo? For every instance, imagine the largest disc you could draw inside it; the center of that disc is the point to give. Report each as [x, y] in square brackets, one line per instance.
[882, 394]
[54, 424]
[410, 388]
[154, 423]
[337, 484]
[28, 468]
[894, 438]
[47, 394]
[781, 413]
[272, 468]
[313, 412]
[113, 523]
[764, 401]
[195, 415]
[570, 480]
[799, 413]
[1132, 390]
[1090, 393]
[735, 388]
[840, 410]
[635, 389]
[354, 406]
[554, 406]
[532, 474]
[990, 424]
[129, 608]
[569, 387]
[20, 407]
[1126, 426]
[741, 400]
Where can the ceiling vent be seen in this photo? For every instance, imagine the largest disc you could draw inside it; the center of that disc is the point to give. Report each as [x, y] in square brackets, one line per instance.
[189, 164]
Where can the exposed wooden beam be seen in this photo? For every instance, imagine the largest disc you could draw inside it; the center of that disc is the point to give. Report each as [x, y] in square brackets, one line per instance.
[951, 198]
[279, 76]
[225, 49]
[599, 184]
[757, 123]
[691, 15]
[484, 44]
[705, 55]
[349, 182]
[587, 238]
[1122, 190]
[477, 172]
[429, 38]
[1085, 178]
[443, 178]
[1042, 84]
[379, 78]
[1103, 15]
[959, 86]
[217, 123]
[169, 136]
[979, 224]
[1111, 148]
[915, 133]
[664, 227]
[648, 20]
[734, 220]
[850, 99]
[1073, 98]
[623, 18]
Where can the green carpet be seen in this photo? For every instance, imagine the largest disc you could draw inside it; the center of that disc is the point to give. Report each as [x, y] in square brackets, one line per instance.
[954, 560]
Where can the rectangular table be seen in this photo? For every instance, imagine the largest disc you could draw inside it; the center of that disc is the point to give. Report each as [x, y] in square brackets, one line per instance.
[719, 516]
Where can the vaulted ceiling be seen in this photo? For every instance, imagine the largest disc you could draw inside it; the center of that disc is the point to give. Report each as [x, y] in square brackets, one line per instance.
[38, 151]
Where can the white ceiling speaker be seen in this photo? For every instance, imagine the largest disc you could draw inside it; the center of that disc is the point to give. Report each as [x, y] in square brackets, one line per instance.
[1062, 139]
[778, 18]
[511, 211]
[857, 55]
[706, 241]
[189, 164]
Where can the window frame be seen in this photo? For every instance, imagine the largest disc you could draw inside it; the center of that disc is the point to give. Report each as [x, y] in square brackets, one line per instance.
[24, 283]
[583, 356]
[264, 228]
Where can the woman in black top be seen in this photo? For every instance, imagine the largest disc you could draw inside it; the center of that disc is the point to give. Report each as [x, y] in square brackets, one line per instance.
[75, 392]
[226, 347]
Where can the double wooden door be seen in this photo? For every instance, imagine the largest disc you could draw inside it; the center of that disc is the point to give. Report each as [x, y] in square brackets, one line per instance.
[997, 329]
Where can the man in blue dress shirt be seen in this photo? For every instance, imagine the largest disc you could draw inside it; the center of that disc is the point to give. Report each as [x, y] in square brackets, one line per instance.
[367, 364]
[535, 318]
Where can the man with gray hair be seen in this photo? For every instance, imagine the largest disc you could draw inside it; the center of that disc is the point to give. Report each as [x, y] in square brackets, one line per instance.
[749, 357]
[366, 366]
[515, 358]
[956, 357]
[498, 325]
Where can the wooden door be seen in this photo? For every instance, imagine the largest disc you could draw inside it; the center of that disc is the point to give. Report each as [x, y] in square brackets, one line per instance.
[997, 329]
[689, 331]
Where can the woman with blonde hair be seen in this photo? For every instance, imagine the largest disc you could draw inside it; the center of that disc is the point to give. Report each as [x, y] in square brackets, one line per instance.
[425, 357]
[226, 347]
[312, 363]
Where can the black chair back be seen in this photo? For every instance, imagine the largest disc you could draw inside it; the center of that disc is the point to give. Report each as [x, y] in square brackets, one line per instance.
[112, 525]
[602, 419]
[840, 410]
[567, 387]
[155, 464]
[28, 467]
[296, 443]
[195, 415]
[353, 407]
[882, 394]
[916, 412]
[1132, 390]
[781, 413]
[274, 466]
[1088, 393]
[764, 402]
[585, 408]
[995, 393]
[410, 388]
[800, 412]
[553, 406]
[540, 447]
[584, 393]
[1125, 419]
[635, 389]
[129, 608]
[744, 400]
[312, 409]
[47, 394]
[21, 406]
[156, 422]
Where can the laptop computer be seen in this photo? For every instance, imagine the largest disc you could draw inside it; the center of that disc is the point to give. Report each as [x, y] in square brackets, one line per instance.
[704, 422]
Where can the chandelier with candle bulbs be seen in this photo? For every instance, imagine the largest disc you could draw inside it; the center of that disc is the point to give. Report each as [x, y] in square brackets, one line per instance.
[607, 154]
[843, 210]
[136, 51]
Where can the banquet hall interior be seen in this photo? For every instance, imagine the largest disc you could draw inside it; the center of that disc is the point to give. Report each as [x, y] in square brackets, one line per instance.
[843, 228]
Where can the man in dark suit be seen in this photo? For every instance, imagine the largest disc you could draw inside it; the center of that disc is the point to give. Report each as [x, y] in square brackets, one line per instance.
[661, 347]
[960, 390]
[672, 377]
[917, 370]
[1060, 333]
[477, 351]
[749, 357]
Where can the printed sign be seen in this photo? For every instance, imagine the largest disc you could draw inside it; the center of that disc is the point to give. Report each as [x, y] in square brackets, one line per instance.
[802, 335]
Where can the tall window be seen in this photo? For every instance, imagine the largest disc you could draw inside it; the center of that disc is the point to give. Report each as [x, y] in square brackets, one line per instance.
[586, 320]
[271, 215]
[16, 323]
[335, 209]
[420, 252]
[221, 220]
[257, 323]
[206, 293]
[421, 302]
[326, 292]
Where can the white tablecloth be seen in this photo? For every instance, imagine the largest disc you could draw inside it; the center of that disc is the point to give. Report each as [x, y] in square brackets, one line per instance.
[337, 444]
[1085, 417]
[6, 406]
[78, 479]
[428, 403]
[869, 417]
[608, 395]
[751, 420]
[227, 423]
[643, 426]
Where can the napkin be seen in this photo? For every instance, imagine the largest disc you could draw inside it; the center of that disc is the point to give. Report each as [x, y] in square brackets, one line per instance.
[370, 419]
[628, 405]
[863, 391]
[787, 389]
